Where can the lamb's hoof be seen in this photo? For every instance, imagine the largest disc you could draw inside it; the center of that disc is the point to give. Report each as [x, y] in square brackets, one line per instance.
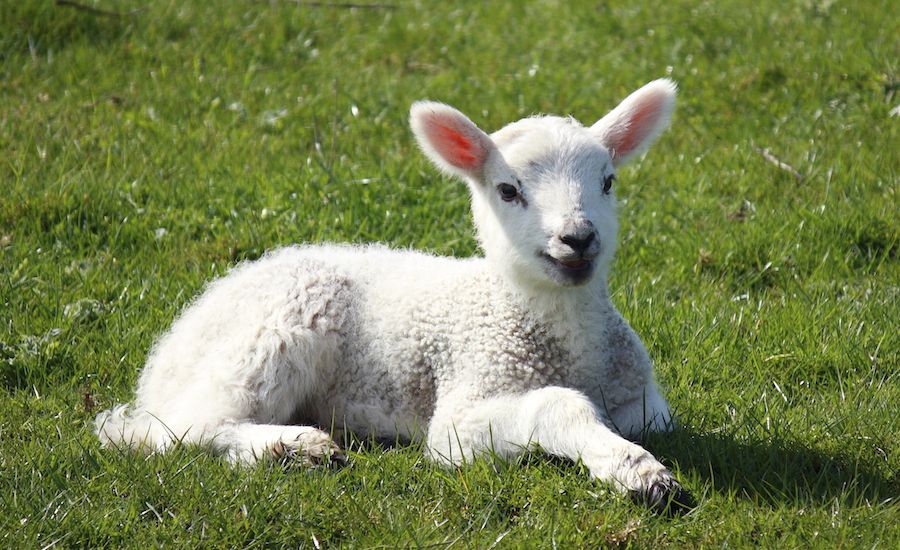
[305, 453]
[664, 495]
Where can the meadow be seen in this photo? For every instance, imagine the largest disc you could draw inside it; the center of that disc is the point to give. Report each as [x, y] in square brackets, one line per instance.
[145, 147]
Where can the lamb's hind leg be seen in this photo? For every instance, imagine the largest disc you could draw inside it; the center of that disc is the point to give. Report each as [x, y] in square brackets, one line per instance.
[249, 419]
[237, 366]
[562, 422]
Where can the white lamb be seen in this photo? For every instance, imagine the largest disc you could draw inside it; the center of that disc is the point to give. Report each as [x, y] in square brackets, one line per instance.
[518, 350]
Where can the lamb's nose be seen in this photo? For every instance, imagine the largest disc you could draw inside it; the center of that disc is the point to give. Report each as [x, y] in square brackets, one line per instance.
[578, 243]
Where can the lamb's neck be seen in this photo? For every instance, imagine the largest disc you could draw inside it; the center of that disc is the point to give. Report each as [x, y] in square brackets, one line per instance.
[567, 304]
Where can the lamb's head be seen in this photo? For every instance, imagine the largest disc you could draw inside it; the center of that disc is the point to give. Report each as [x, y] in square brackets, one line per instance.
[542, 187]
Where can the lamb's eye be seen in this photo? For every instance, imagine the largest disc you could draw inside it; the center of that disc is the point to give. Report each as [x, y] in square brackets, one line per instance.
[507, 192]
[607, 183]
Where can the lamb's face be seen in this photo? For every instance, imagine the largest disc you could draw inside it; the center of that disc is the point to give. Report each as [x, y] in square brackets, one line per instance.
[545, 207]
[542, 195]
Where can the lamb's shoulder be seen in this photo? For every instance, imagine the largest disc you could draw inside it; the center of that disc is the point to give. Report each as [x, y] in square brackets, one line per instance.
[490, 342]
[614, 366]
[512, 344]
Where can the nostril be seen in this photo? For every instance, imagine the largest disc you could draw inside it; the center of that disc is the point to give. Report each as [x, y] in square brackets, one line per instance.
[577, 243]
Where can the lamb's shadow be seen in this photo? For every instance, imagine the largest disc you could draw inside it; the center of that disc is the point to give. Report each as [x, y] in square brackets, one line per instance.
[773, 471]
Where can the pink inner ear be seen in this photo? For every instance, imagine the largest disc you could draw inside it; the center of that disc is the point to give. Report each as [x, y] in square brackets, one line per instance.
[636, 125]
[458, 149]
[640, 124]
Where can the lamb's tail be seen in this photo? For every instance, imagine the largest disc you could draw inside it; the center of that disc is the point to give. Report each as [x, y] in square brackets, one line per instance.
[121, 427]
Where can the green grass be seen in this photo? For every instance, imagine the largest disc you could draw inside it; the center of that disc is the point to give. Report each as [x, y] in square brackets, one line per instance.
[142, 155]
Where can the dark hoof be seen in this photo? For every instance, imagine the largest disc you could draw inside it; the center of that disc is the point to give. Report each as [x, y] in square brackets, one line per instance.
[665, 496]
[338, 459]
[332, 458]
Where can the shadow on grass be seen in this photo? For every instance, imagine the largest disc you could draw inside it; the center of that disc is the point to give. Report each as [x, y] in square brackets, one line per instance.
[773, 471]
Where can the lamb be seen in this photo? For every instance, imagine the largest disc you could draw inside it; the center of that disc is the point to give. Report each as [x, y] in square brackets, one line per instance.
[518, 350]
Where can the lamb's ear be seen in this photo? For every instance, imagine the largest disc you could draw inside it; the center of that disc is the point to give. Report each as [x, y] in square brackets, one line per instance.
[450, 139]
[630, 128]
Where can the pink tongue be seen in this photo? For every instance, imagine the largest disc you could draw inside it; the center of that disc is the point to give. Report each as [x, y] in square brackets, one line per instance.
[574, 264]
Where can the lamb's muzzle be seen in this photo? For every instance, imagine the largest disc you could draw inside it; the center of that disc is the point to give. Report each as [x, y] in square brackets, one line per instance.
[579, 243]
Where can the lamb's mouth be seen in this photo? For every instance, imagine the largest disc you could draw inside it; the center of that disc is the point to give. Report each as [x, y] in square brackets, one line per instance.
[569, 271]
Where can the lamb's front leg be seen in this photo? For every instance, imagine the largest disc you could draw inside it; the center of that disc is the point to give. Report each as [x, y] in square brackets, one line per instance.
[562, 422]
